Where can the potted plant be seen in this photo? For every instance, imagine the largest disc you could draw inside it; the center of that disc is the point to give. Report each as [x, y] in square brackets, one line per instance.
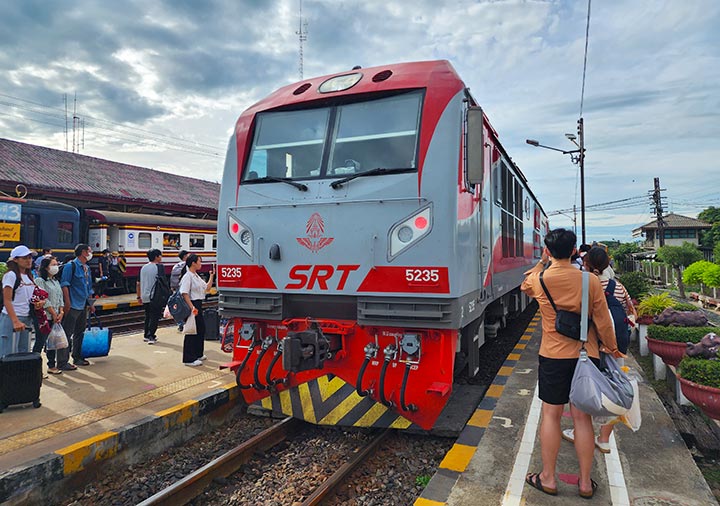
[670, 343]
[700, 383]
[649, 307]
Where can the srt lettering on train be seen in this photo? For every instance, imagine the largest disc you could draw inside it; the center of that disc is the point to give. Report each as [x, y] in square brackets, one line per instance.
[305, 276]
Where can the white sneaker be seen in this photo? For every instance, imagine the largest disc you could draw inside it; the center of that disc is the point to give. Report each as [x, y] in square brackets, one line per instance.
[603, 447]
[569, 435]
[195, 363]
[204, 357]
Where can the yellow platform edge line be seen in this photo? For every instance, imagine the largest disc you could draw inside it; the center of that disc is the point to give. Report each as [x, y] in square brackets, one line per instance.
[481, 418]
[179, 414]
[513, 356]
[458, 458]
[421, 501]
[505, 371]
[495, 391]
[96, 448]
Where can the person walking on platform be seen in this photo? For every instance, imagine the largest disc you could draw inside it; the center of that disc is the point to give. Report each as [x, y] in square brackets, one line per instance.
[559, 354]
[53, 307]
[193, 290]
[17, 287]
[76, 283]
[597, 261]
[176, 274]
[145, 286]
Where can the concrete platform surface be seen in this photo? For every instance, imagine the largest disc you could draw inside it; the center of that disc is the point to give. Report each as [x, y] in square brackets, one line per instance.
[135, 381]
[489, 462]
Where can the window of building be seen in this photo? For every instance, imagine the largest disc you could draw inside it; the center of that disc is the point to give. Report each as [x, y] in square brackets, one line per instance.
[65, 232]
[197, 241]
[144, 240]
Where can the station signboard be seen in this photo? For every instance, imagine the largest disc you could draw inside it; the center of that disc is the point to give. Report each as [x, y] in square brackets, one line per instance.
[9, 231]
[10, 212]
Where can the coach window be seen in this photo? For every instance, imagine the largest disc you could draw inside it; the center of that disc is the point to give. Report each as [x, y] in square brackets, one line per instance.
[197, 241]
[214, 242]
[171, 241]
[65, 232]
[144, 240]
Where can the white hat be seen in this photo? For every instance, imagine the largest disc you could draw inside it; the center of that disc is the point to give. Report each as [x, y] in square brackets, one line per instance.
[21, 251]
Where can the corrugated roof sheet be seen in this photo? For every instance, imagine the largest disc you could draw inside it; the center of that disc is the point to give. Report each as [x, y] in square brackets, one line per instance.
[673, 220]
[47, 169]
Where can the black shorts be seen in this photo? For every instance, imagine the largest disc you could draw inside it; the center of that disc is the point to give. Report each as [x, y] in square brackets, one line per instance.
[555, 377]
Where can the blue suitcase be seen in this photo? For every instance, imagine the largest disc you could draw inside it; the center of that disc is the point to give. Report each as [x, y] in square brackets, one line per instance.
[96, 340]
[20, 379]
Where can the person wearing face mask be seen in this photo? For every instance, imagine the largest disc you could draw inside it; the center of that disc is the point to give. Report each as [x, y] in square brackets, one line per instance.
[77, 290]
[54, 309]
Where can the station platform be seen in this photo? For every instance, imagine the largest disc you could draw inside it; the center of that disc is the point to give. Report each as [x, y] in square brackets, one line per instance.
[114, 302]
[90, 414]
[499, 446]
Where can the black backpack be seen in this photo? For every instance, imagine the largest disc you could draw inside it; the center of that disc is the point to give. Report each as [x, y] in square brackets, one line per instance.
[620, 320]
[161, 290]
[18, 279]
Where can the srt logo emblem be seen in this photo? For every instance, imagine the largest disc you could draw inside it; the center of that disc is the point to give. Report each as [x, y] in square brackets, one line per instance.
[315, 231]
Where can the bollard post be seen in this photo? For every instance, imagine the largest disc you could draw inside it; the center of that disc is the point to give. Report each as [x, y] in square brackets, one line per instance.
[643, 341]
[659, 368]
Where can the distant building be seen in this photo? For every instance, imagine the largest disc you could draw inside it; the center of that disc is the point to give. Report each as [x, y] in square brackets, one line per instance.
[678, 229]
[89, 182]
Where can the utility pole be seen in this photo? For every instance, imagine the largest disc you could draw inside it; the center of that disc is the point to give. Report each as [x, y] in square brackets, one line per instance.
[657, 200]
[581, 155]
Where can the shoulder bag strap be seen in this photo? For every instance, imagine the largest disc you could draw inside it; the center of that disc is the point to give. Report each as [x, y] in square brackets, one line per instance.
[584, 308]
[611, 287]
[552, 302]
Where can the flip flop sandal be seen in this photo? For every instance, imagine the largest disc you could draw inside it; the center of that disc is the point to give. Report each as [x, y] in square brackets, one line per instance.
[533, 479]
[588, 495]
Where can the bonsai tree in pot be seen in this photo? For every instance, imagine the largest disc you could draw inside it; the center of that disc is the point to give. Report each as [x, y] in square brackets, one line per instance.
[677, 257]
[651, 306]
[700, 382]
[670, 343]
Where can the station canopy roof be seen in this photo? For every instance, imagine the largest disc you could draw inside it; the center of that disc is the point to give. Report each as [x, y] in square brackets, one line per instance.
[54, 174]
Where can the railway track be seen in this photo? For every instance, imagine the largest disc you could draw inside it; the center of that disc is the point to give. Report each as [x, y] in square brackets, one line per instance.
[123, 322]
[192, 485]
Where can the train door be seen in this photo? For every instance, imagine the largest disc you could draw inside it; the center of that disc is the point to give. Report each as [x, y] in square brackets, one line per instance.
[30, 233]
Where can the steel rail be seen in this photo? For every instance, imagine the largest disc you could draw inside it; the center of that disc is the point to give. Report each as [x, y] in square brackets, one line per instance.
[358, 457]
[188, 488]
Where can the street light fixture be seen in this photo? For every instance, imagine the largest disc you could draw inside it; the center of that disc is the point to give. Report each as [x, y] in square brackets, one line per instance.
[577, 156]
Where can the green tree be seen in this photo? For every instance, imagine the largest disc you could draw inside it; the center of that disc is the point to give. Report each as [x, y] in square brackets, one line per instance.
[710, 238]
[693, 273]
[677, 257]
[711, 276]
[622, 252]
[716, 252]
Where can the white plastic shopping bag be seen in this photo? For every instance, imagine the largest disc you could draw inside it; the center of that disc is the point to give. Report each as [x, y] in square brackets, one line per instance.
[190, 326]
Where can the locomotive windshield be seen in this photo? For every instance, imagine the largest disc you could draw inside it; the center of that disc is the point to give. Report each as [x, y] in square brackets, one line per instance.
[337, 141]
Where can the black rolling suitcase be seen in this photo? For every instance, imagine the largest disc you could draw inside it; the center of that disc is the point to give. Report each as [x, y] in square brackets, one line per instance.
[20, 379]
[212, 324]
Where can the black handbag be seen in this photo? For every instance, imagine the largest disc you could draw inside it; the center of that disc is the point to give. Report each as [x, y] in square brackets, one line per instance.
[567, 323]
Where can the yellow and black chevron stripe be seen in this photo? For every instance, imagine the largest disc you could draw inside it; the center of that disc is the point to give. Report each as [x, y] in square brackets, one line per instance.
[328, 400]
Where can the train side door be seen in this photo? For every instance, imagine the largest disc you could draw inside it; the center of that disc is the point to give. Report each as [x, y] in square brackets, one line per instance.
[30, 234]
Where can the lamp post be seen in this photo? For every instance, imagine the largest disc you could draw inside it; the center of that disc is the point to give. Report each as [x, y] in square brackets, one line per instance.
[578, 157]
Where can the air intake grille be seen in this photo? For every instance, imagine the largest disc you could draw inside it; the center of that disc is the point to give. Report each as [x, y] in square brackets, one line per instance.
[251, 305]
[436, 313]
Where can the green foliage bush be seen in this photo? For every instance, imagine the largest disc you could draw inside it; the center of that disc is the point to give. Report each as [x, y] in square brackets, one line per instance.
[694, 272]
[636, 283]
[701, 371]
[654, 304]
[711, 276]
[685, 306]
[678, 334]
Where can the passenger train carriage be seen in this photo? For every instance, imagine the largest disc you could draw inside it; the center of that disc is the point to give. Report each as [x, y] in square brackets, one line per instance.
[132, 235]
[372, 232]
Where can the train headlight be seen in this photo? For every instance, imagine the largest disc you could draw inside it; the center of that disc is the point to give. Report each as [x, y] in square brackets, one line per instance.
[340, 83]
[241, 234]
[409, 231]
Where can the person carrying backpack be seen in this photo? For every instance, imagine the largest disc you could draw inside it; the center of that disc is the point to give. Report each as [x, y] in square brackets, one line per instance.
[17, 289]
[176, 274]
[153, 291]
[620, 305]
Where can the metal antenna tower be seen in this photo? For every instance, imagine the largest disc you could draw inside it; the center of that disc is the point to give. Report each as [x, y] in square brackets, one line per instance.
[302, 37]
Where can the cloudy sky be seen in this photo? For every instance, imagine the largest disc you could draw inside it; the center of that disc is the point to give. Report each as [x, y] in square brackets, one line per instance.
[160, 83]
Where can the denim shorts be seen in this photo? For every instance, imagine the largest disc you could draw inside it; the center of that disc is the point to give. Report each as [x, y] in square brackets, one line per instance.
[11, 341]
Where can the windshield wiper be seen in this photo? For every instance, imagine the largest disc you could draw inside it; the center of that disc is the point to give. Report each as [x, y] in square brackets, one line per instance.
[266, 179]
[372, 172]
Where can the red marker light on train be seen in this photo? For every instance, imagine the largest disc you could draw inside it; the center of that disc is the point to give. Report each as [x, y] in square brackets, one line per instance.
[235, 228]
[421, 222]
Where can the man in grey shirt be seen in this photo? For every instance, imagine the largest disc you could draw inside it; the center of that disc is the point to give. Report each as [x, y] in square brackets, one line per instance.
[145, 285]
